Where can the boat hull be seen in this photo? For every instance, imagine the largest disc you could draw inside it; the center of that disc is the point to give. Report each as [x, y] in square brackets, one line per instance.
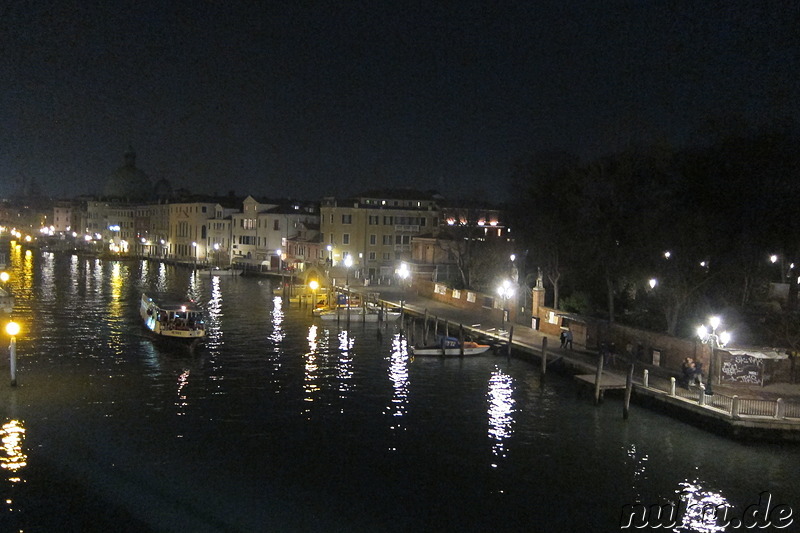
[449, 352]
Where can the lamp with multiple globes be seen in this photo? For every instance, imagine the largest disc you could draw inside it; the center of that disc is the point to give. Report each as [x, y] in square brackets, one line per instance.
[505, 290]
[714, 341]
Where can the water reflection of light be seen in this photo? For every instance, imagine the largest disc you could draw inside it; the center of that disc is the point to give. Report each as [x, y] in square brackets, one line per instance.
[278, 333]
[181, 402]
[703, 510]
[214, 312]
[501, 408]
[344, 368]
[639, 467]
[398, 375]
[310, 377]
[115, 313]
[13, 460]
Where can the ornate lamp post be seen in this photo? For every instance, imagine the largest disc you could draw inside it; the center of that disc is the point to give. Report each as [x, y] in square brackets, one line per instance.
[505, 290]
[714, 341]
[348, 262]
[313, 285]
[194, 253]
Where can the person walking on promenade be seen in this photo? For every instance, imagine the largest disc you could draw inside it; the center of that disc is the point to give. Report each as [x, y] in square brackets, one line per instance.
[563, 338]
[568, 339]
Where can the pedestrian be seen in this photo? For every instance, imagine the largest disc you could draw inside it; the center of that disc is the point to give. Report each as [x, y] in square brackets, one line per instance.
[563, 338]
[568, 338]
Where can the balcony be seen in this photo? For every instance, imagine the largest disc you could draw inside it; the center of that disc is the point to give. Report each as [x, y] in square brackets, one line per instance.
[403, 228]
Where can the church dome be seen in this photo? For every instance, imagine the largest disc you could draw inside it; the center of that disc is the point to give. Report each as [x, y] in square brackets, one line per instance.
[128, 182]
[163, 190]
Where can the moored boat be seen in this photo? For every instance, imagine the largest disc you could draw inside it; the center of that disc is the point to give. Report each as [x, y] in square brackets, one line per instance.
[450, 346]
[183, 323]
[357, 314]
[216, 271]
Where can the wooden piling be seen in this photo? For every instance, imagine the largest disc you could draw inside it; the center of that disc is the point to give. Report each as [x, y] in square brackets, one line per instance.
[597, 378]
[425, 327]
[461, 340]
[628, 390]
[510, 341]
[544, 355]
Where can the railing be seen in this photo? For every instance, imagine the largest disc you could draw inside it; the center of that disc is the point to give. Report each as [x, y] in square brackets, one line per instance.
[732, 405]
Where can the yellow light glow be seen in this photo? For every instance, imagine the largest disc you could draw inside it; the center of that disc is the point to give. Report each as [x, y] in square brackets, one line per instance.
[12, 328]
[4, 276]
[313, 284]
[13, 435]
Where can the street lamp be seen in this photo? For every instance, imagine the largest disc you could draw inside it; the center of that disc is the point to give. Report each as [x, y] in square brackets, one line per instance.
[714, 341]
[313, 285]
[348, 262]
[505, 290]
[403, 273]
[330, 255]
[216, 251]
[194, 252]
[12, 328]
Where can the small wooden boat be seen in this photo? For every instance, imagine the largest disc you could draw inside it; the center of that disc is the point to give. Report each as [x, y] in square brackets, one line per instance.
[182, 323]
[216, 271]
[357, 314]
[449, 347]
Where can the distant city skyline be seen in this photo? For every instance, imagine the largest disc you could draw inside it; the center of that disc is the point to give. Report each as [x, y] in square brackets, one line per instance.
[313, 100]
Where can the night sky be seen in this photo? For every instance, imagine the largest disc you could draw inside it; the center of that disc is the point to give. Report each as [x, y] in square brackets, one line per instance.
[306, 99]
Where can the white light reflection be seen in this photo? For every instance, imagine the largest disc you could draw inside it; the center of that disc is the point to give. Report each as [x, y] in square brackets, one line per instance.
[398, 375]
[639, 466]
[703, 511]
[13, 459]
[214, 316]
[278, 332]
[344, 368]
[501, 408]
[181, 402]
[310, 376]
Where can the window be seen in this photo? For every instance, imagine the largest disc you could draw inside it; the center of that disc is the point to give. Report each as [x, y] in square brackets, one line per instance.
[388, 221]
[374, 220]
[372, 256]
[387, 239]
[276, 225]
[345, 238]
[373, 240]
[347, 219]
[387, 256]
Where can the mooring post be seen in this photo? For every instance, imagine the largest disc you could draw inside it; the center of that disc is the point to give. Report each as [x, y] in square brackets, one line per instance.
[672, 386]
[735, 406]
[12, 352]
[597, 378]
[702, 399]
[461, 340]
[425, 327]
[780, 408]
[510, 341]
[628, 390]
[435, 326]
[544, 355]
[646, 378]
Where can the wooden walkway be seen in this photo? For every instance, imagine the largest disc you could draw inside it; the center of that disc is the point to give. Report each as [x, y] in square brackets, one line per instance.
[607, 381]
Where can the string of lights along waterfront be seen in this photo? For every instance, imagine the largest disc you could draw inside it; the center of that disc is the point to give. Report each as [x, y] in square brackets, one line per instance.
[285, 423]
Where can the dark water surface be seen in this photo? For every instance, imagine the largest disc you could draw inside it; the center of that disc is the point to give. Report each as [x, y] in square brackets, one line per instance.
[285, 423]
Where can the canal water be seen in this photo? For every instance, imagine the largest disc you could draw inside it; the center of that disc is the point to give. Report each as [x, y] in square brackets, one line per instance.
[285, 423]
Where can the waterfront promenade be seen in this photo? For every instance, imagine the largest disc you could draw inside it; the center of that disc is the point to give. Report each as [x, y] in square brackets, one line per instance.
[771, 412]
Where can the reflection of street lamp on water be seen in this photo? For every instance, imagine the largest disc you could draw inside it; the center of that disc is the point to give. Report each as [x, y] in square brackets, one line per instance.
[12, 328]
[714, 341]
[505, 290]
[216, 251]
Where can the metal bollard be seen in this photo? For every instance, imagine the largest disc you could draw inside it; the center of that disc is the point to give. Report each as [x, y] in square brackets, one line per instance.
[646, 378]
[735, 406]
[672, 386]
[702, 399]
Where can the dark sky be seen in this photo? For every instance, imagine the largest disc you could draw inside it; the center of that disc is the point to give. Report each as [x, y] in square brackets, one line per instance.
[305, 99]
